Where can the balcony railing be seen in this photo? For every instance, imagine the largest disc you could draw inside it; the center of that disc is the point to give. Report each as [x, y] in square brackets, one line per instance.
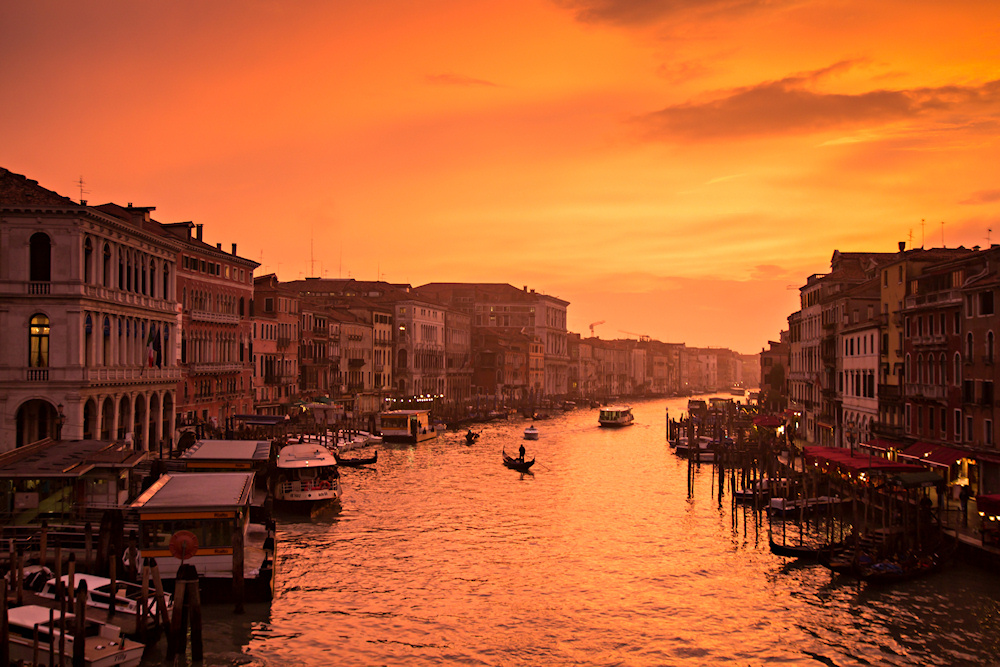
[204, 368]
[218, 318]
[38, 375]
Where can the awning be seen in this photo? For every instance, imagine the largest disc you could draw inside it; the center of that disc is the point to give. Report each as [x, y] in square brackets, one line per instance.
[843, 460]
[989, 504]
[914, 480]
[987, 458]
[767, 420]
[936, 455]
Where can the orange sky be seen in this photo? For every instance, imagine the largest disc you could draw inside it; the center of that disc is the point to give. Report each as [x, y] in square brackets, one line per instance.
[674, 168]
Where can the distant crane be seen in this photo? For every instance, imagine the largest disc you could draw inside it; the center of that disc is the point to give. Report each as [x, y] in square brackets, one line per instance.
[642, 337]
[592, 325]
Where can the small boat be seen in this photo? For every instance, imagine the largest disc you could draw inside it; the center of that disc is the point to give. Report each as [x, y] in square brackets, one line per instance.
[41, 589]
[615, 415]
[803, 551]
[471, 437]
[531, 433]
[307, 476]
[517, 464]
[104, 645]
[357, 461]
[785, 508]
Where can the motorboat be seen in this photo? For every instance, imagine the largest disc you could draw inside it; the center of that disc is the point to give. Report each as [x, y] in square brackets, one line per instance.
[31, 633]
[42, 589]
[307, 475]
[615, 415]
[531, 433]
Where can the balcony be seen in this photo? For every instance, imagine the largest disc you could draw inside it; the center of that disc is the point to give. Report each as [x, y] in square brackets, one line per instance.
[37, 375]
[39, 288]
[213, 368]
[929, 391]
[889, 392]
[215, 318]
[132, 374]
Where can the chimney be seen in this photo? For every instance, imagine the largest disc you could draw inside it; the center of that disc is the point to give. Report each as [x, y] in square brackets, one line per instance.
[234, 248]
[218, 246]
[198, 231]
[525, 288]
[902, 246]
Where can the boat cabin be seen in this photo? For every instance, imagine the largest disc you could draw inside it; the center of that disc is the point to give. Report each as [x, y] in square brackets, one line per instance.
[615, 415]
[67, 481]
[407, 426]
[213, 507]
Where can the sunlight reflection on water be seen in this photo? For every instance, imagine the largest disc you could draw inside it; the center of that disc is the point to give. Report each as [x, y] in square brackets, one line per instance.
[443, 556]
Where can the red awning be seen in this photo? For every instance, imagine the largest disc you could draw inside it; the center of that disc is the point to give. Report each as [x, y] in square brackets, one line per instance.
[843, 460]
[767, 420]
[883, 445]
[936, 455]
[987, 458]
[989, 505]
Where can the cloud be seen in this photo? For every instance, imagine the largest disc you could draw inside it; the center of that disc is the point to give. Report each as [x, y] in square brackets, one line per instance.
[792, 106]
[645, 12]
[982, 197]
[456, 80]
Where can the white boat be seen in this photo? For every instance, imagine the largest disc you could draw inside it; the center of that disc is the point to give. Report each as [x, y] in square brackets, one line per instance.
[681, 445]
[616, 415]
[783, 507]
[307, 475]
[531, 433]
[41, 589]
[104, 645]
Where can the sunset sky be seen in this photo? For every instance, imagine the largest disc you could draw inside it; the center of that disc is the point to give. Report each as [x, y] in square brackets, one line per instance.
[674, 168]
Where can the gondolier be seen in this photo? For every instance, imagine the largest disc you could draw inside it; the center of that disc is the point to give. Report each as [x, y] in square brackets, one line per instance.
[520, 454]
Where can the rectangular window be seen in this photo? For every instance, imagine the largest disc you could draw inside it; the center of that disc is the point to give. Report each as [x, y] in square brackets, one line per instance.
[986, 303]
[958, 425]
[906, 417]
[988, 431]
[968, 428]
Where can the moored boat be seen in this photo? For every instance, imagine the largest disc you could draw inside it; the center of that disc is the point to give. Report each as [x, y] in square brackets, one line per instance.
[42, 590]
[615, 415]
[357, 461]
[307, 475]
[31, 634]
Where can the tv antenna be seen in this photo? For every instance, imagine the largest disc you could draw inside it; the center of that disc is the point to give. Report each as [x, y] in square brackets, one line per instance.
[79, 183]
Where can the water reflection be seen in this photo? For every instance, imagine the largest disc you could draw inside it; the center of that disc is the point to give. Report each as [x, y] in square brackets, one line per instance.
[443, 555]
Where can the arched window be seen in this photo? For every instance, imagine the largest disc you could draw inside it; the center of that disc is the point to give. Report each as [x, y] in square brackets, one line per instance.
[128, 272]
[121, 269]
[152, 278]
[88, 340]
[88, 260]
[908, 369]
[106, 269]
[40, 258]
[38, 342]
[943, 364]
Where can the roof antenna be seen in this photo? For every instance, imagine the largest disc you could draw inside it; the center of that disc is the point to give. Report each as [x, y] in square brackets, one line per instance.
[942, 234]
[83, 202]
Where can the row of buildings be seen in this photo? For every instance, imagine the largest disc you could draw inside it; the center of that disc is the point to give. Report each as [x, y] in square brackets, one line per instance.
[120, 327]
[896, 352]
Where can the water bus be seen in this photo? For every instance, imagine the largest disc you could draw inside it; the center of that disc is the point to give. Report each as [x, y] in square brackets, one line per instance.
[616, 415]
[407, 426]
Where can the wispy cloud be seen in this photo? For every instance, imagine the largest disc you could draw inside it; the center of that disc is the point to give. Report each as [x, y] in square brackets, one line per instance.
[982, 197]
[644, 12]
[456, 80]
[793, 106]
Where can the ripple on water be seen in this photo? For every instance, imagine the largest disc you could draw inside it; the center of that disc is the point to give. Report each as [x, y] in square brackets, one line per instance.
[443, 556]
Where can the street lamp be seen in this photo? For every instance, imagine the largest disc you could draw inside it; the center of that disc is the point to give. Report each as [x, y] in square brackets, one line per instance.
[851, 429]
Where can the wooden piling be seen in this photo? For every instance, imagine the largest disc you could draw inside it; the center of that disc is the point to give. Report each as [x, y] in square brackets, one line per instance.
[43, 536]
[239, 587]
[113, 576]
[4, 627]
[88, 547]
[79, 647]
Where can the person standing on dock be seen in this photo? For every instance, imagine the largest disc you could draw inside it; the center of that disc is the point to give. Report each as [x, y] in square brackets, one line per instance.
[963, 499]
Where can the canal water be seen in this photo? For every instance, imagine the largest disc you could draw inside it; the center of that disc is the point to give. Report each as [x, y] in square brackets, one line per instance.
[441, 556]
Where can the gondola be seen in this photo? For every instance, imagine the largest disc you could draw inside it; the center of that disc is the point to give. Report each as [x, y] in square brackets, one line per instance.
[360, 461]
[517, 464]
[806, 551]
[471, 437]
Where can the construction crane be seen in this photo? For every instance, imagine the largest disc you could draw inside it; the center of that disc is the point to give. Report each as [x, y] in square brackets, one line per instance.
[594, 324]
[641, 337]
